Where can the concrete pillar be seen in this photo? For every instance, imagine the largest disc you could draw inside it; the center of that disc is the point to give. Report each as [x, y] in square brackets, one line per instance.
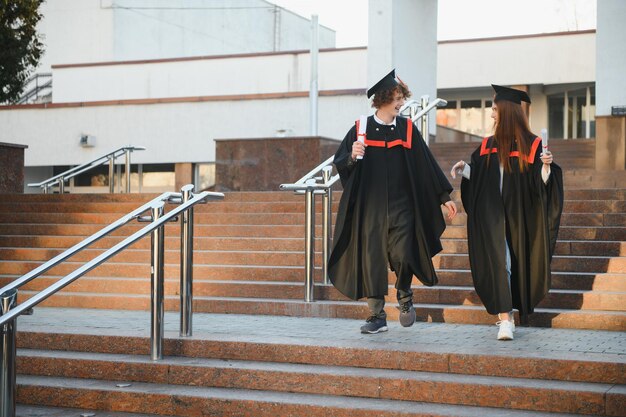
[402, 34]
[611, 143]
[12, 168]
[183, 175]
[610, 84]
[610, 57]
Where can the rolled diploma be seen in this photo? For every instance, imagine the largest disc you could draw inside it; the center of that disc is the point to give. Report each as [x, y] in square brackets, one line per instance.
[360, 135]
[544, 139]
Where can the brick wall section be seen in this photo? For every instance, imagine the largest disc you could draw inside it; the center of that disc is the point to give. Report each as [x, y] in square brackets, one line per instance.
[11, 168]
[265, 163]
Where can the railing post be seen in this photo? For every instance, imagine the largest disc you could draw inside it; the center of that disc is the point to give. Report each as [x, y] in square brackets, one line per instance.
[327, 221]
[45, 188]
[156, 281]
[8, 300]
[61, 185]
[127, 167]
[186, 264]
[424, 127]
[309, 242]
[111, 174]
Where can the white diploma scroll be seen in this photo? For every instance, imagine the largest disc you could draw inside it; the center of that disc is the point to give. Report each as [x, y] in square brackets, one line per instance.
[544, 139]
[360, 135]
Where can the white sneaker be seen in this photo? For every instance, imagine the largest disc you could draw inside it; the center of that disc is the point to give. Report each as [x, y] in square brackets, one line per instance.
[506, 330]
[511, 319]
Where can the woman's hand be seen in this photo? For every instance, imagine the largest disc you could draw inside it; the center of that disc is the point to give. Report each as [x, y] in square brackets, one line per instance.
[458, 167]
[358, 149]
[546, 157]
[451, 209]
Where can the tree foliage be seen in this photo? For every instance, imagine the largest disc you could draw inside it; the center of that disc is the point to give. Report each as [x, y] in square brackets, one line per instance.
[20, 45]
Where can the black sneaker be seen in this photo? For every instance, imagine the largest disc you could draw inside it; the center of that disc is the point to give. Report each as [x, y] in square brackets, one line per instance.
[407, 314]
[373, 325]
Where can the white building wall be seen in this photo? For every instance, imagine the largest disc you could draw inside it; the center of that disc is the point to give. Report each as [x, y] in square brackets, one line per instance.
[79, 31]
[184, 132]
[175, 132]
[208, 77]
[76, 31]
[528, 60]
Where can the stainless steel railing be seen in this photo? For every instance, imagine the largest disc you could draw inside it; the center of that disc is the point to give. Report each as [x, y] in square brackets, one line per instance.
[157, 218]
[61, 178]
[418, 112]
[309, 185]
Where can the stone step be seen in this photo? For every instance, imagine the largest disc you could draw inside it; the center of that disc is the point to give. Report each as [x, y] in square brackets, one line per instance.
[171, 243]
[560, 280]
[447, 277]
[32, 256]
[42, 411]
[19, 261]
[274, 231]
[122, 208]
[610, 300]
[343, 381]
[563, 247]
[567, 355]
[189, 401]
[570, 206]
[567, 219]
[440, 313]
[592, 193]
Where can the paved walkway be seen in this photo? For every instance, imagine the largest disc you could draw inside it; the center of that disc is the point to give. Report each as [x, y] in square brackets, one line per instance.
[439, 337]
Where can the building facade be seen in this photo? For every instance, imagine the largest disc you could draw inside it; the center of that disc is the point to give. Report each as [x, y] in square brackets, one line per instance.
[130, 94]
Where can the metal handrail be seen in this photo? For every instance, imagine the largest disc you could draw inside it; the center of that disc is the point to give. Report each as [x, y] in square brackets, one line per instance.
[24, 279]
[37, 88]
[77, 170]
[52, 289]
[8, 293]
[309, 186]
[425, 107]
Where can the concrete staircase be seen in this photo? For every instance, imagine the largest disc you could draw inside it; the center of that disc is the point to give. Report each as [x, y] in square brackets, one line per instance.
[242, 365]
[248, 262]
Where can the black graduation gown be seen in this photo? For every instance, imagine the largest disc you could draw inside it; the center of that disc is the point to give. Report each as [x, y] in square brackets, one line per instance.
[359, 259]
[527, 212]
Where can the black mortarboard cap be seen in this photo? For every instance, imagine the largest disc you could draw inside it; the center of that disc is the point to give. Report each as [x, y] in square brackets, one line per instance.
[386, 83]
[510, 94]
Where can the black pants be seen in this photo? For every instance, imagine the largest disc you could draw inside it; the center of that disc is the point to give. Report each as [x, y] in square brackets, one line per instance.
[400, 248]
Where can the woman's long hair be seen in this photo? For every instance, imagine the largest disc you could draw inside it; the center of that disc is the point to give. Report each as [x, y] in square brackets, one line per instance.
[512, 125]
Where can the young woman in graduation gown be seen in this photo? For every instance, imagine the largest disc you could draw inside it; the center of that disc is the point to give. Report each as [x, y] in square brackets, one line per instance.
[513, 195]
[390, 210]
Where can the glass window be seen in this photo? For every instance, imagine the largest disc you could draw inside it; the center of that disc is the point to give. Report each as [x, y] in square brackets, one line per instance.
[205, 176]
[447, 115]
[471, 117]
[158, 176]
[555, 116]
[469, 104]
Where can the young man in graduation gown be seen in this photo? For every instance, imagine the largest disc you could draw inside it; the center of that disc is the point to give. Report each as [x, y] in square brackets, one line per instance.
[390, 210]
[513, 195]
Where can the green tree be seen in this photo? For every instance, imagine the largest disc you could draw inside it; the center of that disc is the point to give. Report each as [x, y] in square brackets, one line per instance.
[20, 45]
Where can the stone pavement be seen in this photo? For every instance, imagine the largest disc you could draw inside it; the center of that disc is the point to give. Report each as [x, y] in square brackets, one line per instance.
[458, 338]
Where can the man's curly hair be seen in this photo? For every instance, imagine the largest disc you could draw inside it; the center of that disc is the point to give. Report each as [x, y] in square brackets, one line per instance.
[387, 96]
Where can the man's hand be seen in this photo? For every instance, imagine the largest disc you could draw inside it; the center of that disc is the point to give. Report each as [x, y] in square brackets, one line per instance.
[358, 149]
[451, 209]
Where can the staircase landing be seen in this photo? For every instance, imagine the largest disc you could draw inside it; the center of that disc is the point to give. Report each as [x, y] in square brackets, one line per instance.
[286, 366]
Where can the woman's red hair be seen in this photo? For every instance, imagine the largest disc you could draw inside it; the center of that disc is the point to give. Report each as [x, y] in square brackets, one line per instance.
[512, 125]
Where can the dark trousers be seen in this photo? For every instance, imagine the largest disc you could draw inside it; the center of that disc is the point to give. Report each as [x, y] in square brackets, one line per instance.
[400, 244]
